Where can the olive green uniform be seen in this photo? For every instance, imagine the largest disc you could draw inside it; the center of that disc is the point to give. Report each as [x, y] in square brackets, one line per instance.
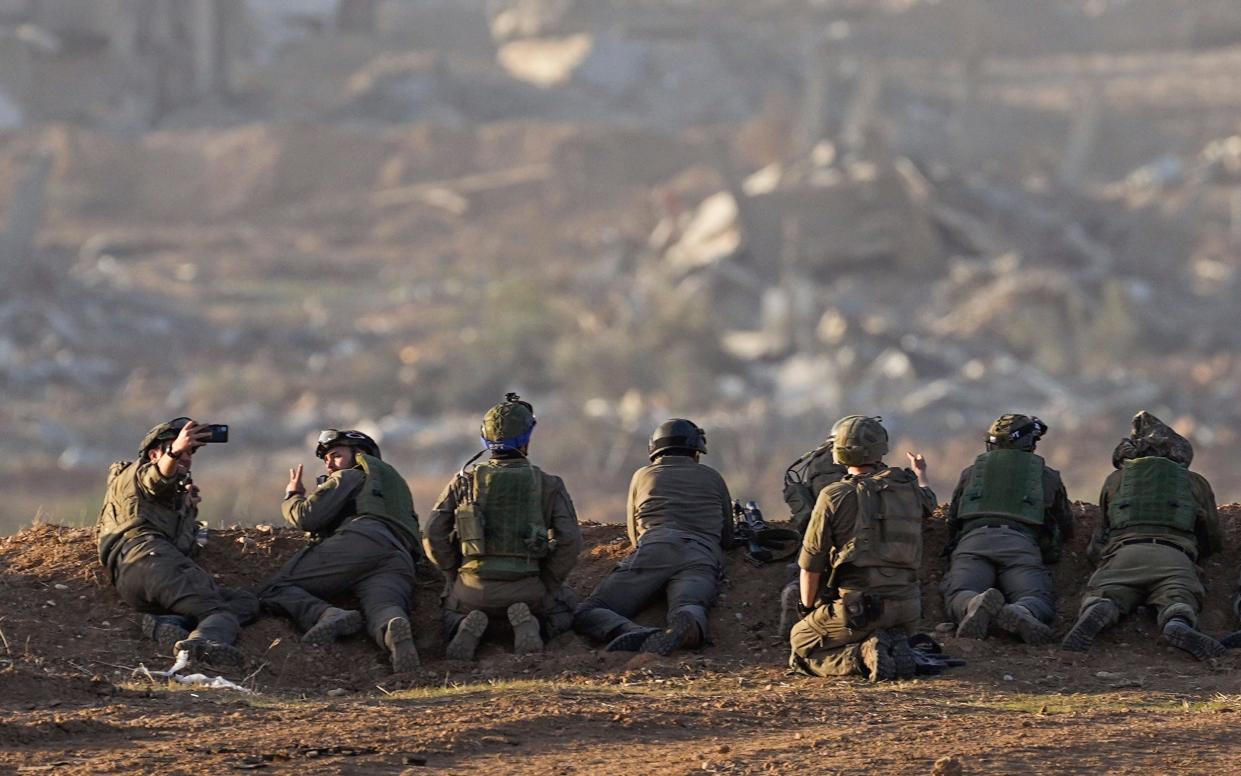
[1145, 564]
[145, 534]
[352, 550]
[858, 600]
[542, 590]
[996, 550]
[679, 519]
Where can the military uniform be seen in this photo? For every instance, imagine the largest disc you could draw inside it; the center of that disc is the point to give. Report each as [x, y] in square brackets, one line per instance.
[146, 539]
[1157, 520]
[1008, 515]
[497, 578]
[804, 480]
[867, 529]
[679, 519]
[364, 538]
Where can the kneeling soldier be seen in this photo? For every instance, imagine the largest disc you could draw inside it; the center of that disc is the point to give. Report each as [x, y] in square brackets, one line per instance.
[364, 536]
[146, 533]
[867, 531]
[505, 534]
[1008, 515]
[680, 521]
[1158, 519]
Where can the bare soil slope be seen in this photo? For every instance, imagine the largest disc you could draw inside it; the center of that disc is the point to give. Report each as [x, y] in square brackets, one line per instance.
[69, 701]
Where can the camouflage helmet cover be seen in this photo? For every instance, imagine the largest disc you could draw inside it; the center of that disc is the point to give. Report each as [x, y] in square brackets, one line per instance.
[164, 432]
[1152, 437]
[1016, 431]
[859, 440]
[509, 424]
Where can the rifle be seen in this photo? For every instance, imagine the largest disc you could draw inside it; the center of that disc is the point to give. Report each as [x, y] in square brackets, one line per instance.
[751, 529]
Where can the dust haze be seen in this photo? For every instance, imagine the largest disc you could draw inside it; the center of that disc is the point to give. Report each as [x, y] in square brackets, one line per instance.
[762, 215]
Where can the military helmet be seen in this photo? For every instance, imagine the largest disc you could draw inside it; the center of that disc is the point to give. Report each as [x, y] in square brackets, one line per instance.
[509, 424]
[1016, 431]
[859, 440]
[331, 437]
[164, 432]
[677, 434]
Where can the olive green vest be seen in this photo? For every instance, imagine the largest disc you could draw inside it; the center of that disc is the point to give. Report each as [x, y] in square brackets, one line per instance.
[1006, 484]
[1154, 497]
[888, 531]
[127, 512]
[501, 527]
[384, 494]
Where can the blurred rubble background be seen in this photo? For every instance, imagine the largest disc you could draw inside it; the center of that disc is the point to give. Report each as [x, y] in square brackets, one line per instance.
[762, 214]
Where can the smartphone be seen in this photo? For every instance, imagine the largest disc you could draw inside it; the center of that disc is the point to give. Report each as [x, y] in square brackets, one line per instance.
[219, 433]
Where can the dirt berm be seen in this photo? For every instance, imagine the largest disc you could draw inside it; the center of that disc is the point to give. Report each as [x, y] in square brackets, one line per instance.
[69, 700]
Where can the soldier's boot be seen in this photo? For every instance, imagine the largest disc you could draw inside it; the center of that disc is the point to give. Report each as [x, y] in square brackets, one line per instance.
[790, 597]
[682, 631]
[630, 639]
[1180, 634]
[1021, 622]
[1232, 640]
[526, 637]
[904, 662]
[876, 655]
[165, 629]
[399, 641]
[465, 642]
[331, 625]
[215, 653]
[978, 613]
[1090, 623]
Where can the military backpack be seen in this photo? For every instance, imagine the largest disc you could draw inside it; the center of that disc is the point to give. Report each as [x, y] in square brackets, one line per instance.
[805, 478]
[888, 533]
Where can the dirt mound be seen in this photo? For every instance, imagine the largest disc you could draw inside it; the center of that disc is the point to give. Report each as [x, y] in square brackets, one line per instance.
[65, 631]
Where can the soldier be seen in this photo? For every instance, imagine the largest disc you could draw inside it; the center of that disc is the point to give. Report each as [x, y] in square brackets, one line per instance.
[866, 533]
[1008, 515]
[680, 522]
[147, 535]
[363, 538]
[803, 481]
[1157, 519]
[505, 534]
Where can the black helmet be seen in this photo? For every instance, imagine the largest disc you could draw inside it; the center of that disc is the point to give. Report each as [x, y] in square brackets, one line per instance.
[330, 437]
[677, 434]
[161, 434]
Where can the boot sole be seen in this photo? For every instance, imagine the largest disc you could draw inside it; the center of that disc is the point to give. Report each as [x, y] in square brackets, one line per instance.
[667, 641]
[1025, 626]
[904, 666]
[631, 641]
[165, 634]
[877, 657]
[976, 623]
[469, 633]
[526, 637]
[1083, 634]
[1195, 642]
[324, 633]
[401, 649]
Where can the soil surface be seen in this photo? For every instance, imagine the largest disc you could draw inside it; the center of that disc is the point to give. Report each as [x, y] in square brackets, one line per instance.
[70, 700]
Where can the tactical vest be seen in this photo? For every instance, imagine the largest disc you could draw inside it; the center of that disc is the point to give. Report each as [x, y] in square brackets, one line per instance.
[888, 532]
[384, 494]
[126, 513]
[1005, 484]
[803, 481]
[1154, 497]
[501, 528]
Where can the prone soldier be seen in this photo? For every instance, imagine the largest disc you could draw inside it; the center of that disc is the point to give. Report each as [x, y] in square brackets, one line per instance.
[1007, 517]
[364, 538]
[147, 537]
[1158, 519]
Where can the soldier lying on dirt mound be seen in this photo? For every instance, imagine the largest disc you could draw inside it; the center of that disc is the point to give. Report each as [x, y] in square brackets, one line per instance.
[505, 535]
[1157, 518]
[680, 520]
[1008, 515]
[868, 529]
[147, 534]
[364, 535]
